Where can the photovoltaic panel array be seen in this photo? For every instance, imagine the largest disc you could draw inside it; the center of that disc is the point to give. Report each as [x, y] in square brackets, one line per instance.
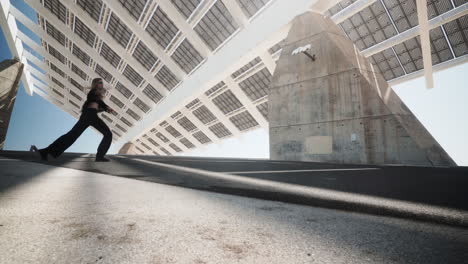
[92, 7]
[186, 56]
[251, 7]
[256, 86]
[186, 7]
[243, 121]
[134, 7]
[118, 30]
[227, 102]
[161, 28]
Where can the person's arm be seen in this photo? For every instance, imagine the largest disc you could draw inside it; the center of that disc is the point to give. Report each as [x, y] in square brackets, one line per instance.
[103, 105]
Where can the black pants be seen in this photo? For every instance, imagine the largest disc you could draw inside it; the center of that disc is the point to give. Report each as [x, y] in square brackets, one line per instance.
[88, 118]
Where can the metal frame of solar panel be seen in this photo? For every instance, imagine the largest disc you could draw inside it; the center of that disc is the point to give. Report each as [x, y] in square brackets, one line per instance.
[215, 88]
[76, 84]
[388, 64]
[227, 102]
[204, 114]
[186, 124]
[256, 86]
[103, 73]
[57, 8]
[410, 55]
[55, 33]
[171, 130]
[167, 78]
[439, 46]
[81, 55]
[186, 56]
[57, 70]
[84, 32]
[144, 56]
[110, 55]
[141, 105]
[58, 93]
[92, 7]
[72, 93]
[57, 82]
[220, 130]
[123, 90]
[118, 30]
[132, 75]
[457, 33]
[56, 54]
[162, 137]
[243, 121]
[193, 103]
[216, 26]
[263, 109]
[201, 137]
[126, 122]
[79, 72]
[176, 114]
[134, 7]
[116, 101]
[186, 7]
[251, 7]
[152, 93]
[187, 143]
[161, 28]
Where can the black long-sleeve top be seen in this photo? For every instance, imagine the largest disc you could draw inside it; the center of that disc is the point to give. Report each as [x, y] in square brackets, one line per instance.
[93, 97]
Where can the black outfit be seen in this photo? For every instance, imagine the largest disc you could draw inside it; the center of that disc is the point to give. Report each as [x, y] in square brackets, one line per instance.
[88, 118]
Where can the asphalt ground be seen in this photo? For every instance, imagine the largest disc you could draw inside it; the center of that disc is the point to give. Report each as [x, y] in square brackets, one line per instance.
[54, 214]
[420, 193]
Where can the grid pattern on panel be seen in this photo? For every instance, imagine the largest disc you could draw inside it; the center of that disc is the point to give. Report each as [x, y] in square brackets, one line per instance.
[171, 130]
[57, 8]
[246, 67]
[103, 73]
[141, 105]
[81, 55]
[167, 78]
[165, 151]
[163, 123]
[75, 95]
[256, 86]
[144, 56]
[176, 114]
[459, 2]
[263, 108]
[201, 137]
[57, 54]
[204, 114]
[121, 128]
[92, 7]
[186, 56]
[216, 26]
[370, 26]
[109, 55]
[123, 90]
[58, 93]
[437, 7]
[57, 70]
[457, 33]
[162, 137]
[186, 124]
[161, 28]
[134, 7]
[187, 143]
[107, 118]
[227, 102]
[114, 132]
[220, 130]
[79, 72]
[243, 121]
[55, 33]
[76, 84]
[215, 88]
[174, 147]
[403, 13]
[152, 93]
[118, 30]
[58, 83]
[84, 32]
[251, 7]
[146, 146]
[116, 101]
[194, 102]
[74, 105]
[139, 149]
[154, 143]
[125, 121]
[132, 75]
[388, 64]
[58, 101]
[186, 7]
[439, 46]
[410, 55]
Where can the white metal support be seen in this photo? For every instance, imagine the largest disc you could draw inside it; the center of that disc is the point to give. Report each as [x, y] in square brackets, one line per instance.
[425, 42]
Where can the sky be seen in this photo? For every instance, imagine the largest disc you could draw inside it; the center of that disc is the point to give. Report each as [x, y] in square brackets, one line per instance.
[442, 110]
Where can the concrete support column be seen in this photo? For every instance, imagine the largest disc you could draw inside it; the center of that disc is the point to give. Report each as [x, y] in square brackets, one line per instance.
[127, 148]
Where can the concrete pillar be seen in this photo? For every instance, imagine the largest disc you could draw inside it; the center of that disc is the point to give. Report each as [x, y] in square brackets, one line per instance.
[10, 75]
[127, 148]
[335, 107]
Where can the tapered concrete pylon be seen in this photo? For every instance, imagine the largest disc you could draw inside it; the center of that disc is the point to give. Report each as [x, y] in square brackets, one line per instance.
[331, 105]
[128, 148]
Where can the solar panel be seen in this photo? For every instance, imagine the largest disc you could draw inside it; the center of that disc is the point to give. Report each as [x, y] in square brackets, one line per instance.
[154, 143]
[165, 151]
[144, 56]
[57, 54]
[409, 53]
[118, 30]
[439, 46]
[216, 26]
[55, 33]
[103, 73]
[164, 123]
[167, 78]
[81, 55]
[176, 114]
[116, 101]
[114, 132]
[84, 32]
[403, 13]
[162, 137]
[58, 83]
[246, 67]
[220, 130]
[79, 72]
[215, 88]
[57, 8]
[457, 33]
[174, 147]
[256, 86]
[186, 124]
[227, 102]
[152, 93]
[251, 7]
[139, 149]
[58, 93]
[263, 109]
[134, 7]
[141, 105]
[161, 28]
[121, 128]
[123, 90]
[146, 146]
[243, 121]
[75, 95]
[186, 7]
[204, 114]
[92, 7]
[107, 118]
[171, 130]
[132, 75]
[187, 143]
[201, 137]
[387, 63]
[109, 55]
[74, 104]
[57, 70]
[193, 103]
[76, 84]
[186, 56]
[125, 121]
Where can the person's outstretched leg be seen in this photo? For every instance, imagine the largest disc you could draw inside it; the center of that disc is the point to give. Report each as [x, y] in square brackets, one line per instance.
[106, 140]
[65, 141]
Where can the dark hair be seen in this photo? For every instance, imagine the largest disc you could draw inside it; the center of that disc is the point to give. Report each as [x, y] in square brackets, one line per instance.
[94, 82]
[92, 94]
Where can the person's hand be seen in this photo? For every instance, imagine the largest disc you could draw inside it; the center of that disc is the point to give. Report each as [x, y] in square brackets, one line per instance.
[110, 110]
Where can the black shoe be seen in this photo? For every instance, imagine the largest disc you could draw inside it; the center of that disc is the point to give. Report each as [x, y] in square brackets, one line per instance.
[102, 159]
[42, 152]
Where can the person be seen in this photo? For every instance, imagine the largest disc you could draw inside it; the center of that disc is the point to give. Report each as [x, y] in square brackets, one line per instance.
[89, 117]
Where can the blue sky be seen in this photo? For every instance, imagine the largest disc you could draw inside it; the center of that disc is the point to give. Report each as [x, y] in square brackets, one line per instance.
[442, 110]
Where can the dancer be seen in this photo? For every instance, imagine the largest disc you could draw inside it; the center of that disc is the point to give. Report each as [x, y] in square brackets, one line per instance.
[89, 117]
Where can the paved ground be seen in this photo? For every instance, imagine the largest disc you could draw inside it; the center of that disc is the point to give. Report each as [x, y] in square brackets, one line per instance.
[51, 214]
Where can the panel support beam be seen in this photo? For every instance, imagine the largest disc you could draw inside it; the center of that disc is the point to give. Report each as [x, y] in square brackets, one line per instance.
[425, 42]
